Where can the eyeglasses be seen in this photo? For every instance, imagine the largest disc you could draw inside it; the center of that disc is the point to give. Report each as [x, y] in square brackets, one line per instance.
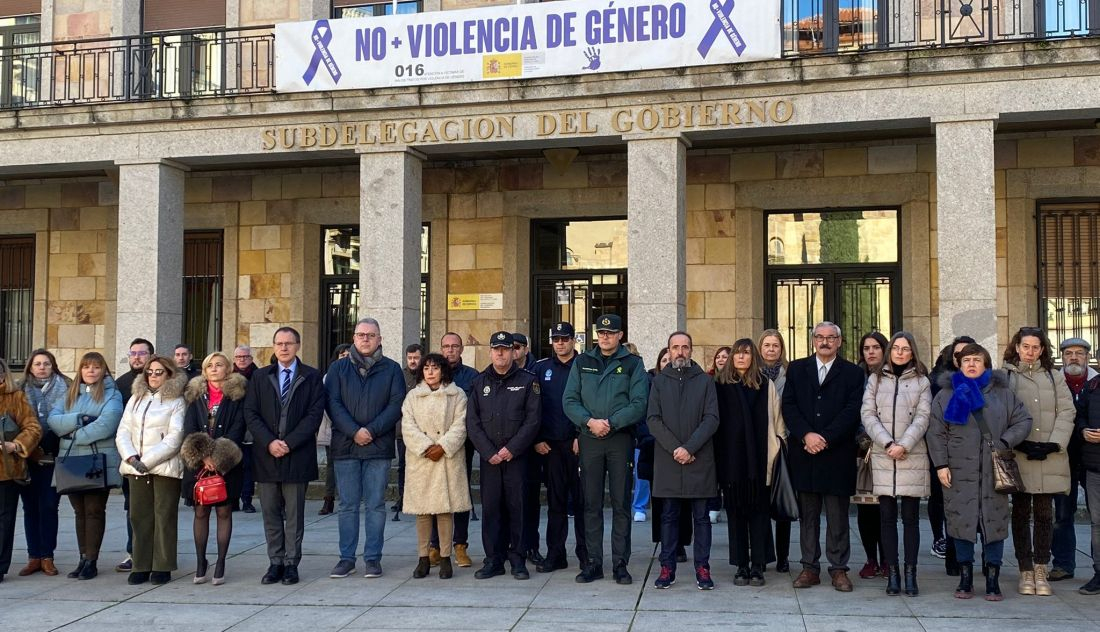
[560, 339]
[241, 357]
[820, 338]
[901, 350]
[156, 372]
[138, 354]
[368, 336]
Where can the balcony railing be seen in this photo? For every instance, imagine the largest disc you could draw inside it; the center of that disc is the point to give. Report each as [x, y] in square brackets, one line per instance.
[832, 26]
[170, 65]
[231, 62]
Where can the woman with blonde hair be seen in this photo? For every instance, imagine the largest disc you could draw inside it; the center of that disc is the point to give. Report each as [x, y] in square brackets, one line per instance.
[19, 436]
[773, 355]
[87, 421]
[148, 441]
[214, 429]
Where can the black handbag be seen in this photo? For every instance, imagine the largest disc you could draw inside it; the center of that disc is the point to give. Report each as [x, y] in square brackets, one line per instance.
[784, 502]
[82, 473]
[9, 430]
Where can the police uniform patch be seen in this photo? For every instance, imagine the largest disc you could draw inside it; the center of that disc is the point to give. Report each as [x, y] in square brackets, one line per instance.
[605, 322]
[485, 391]
[548, 375]
[619, 369]
[535, 388]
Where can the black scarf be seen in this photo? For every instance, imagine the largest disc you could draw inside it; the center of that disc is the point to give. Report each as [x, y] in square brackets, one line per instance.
[739, 406]
[772, 372]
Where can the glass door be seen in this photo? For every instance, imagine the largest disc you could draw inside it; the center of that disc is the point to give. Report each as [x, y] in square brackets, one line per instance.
[578, 299]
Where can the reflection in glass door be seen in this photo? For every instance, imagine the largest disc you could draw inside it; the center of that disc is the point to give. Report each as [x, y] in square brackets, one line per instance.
[799, 305]
[578, 299]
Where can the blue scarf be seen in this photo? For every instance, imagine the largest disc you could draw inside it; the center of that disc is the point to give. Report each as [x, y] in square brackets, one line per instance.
[966, 398]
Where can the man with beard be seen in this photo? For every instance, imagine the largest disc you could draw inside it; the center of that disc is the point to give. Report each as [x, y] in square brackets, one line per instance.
[140, 352]
[1063, 548]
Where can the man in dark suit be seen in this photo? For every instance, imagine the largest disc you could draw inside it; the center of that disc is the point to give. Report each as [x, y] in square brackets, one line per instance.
[821, 407]
[283, 408]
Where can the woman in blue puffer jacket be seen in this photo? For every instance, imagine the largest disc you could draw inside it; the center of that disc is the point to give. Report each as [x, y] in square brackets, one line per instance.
[87, 421]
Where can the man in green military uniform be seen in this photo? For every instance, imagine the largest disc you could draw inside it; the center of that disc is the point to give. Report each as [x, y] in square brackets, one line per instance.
[605, 396]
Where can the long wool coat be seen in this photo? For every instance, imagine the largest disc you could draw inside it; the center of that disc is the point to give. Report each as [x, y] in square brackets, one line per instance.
[897, 410]
[683, 412]
[971, 497]
[429, 417]
[1050, 404]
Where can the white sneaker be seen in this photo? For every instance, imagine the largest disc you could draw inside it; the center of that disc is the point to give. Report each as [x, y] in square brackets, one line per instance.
[639, 516]
[713, 517]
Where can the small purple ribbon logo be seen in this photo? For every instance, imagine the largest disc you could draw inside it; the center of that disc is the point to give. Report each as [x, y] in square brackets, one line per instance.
[322, 37]
[723, 23]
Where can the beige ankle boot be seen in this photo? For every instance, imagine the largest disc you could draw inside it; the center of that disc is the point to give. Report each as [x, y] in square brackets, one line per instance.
[1027, 583]
[1042, 586]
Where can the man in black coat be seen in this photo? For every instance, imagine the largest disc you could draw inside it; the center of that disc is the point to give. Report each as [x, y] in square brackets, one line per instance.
[502, 419]
[821, 405]
[283, 409]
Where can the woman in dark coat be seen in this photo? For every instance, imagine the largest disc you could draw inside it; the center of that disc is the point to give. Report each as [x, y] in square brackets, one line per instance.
[750, 428]
[872, 353]
[963, 461]
[214, 426]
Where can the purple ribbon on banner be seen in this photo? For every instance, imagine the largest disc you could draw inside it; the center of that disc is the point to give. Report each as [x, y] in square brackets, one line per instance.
[322, 37]
[723, 23]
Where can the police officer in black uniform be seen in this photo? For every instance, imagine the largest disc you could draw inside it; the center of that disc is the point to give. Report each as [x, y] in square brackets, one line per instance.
[556, 446]
[502, 421]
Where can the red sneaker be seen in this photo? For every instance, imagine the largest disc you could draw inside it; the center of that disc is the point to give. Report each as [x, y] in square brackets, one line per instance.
[869, 570]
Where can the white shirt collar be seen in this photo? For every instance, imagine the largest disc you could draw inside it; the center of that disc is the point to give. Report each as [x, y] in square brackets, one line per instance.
[828, 365]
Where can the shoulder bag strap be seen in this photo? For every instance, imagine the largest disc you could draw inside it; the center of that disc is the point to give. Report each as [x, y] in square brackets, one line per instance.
[983, 426]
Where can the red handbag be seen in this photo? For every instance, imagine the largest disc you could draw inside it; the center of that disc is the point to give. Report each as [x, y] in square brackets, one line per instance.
[209, 488]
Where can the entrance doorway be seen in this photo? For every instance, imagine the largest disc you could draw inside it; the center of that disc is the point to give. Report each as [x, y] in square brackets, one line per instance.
[578, 273]
[838, 266]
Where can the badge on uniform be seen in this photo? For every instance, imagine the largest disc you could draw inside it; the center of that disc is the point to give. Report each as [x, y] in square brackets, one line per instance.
[535, 388]
[485, 391]
[619, 369]
[549, 375]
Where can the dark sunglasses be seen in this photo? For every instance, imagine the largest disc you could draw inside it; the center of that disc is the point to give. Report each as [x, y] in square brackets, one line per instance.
[156, 372]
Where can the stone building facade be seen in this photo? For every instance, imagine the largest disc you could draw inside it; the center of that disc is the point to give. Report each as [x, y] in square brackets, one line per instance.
[965, 146]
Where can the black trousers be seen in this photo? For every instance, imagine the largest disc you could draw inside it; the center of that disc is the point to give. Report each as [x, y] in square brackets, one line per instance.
[910, 520]
[782, 540]
[607, 461]
[562, 481]
[748, 526]
[670, 530]
[532, 502]
[838, 546]
[462, 518]
[869, 523]
[502, 499]
[9, 503]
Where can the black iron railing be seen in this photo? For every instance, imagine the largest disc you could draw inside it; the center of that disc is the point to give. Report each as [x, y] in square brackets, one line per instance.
[170, 65]
[832, 26]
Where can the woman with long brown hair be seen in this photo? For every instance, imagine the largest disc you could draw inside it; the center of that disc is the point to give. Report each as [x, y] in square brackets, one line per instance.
[87, 422]
[750, 430]
[19, 435]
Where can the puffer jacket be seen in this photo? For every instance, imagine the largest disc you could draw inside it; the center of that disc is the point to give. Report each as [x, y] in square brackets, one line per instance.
[89, 427]
[1050, 403]
[896, 410]
[152, 428]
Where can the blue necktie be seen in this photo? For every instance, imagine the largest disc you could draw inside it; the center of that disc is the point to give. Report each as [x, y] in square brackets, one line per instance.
[285, 390]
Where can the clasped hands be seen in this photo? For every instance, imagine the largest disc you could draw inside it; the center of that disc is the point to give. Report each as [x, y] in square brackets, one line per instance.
[599, 427]
[500, 457]
[278, 448]
[682, 456]
[814, 443]
[435, 452]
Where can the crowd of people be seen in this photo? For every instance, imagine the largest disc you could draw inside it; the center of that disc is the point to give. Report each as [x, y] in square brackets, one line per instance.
[997, 452]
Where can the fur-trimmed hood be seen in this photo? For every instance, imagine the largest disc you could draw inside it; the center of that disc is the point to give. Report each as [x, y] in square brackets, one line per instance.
[233, 387]
[198, 446]
[999, 379]
[172, 388]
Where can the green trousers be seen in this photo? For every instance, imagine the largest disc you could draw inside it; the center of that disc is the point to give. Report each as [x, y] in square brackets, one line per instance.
[154, 509]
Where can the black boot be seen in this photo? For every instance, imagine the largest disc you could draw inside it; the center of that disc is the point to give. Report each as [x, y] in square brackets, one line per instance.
[445, 570]
[950, 562]
[993, 582]
[893, 580]
[423, 566]
[911, 589]
[79, 568]
[966, 581]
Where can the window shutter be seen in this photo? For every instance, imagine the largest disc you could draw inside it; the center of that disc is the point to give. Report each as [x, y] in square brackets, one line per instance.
[173, 15]
[12, 8]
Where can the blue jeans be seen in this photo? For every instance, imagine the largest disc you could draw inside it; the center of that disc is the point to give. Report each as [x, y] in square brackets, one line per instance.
[362, 481]
[993, 551]
[40, 502]
[1063, 544]
[641, 489]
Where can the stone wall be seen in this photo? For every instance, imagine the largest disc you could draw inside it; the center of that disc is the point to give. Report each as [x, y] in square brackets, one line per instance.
[81, 19]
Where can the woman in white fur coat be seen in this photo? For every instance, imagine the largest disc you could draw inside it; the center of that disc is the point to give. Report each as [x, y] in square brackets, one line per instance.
[433, 424]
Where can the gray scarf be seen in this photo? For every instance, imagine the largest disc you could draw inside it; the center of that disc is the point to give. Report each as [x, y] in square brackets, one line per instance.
[364, 363]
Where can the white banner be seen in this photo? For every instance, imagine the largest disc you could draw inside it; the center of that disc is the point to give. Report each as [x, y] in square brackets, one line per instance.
[576, 37]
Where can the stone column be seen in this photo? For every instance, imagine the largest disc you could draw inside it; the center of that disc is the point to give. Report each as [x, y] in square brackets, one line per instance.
[656, 219]
[966, 239]
[150, 255]
[390, 190]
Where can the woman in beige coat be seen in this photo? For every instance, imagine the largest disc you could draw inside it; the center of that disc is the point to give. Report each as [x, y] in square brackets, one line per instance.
[433, 425]
[1045, 470]
[895, 413]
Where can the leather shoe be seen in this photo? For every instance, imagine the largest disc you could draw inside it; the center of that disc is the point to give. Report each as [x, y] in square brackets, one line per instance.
[48, 567]
[549, 566]
[290, 575]
[535, 557]
[519, 571]
[841, 581]
[621, 575]
[273, 575]
[33, 566]
[806, 579]
[489, 570]
[590, 573]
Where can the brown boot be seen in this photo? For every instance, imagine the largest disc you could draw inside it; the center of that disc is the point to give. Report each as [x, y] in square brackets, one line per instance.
[841, 581]
[433, 556]
[462, 558]
[33, 566]
[327, 506]
[47, 567]
[806, 579]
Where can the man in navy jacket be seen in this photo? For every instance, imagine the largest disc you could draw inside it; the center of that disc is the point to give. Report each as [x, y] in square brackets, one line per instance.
[283, 408]
[365, 392]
